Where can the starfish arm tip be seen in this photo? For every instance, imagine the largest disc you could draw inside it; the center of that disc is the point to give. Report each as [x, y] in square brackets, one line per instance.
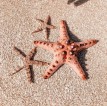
[96, 41]
[35, 42]
[45, 76]
[84, 77]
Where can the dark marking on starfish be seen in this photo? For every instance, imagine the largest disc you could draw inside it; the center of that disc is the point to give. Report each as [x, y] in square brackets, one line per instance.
[81, 44]
[51, 70]
[56, 61]
[48, 73]
[45, 77]
[85, 44]
[53, 65]
[51, 45]
[90, 42]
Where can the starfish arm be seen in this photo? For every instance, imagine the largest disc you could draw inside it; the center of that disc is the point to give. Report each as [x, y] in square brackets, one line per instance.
[38, 62]
[63, 32]
[31, 54]
[16, 71]
[48, 22]
[28, 72]
[50, 26]
[39, 20]
[45, 45]
[86, 44]
[75, 65]
[52, 69]
[37, 30]
[18, 51]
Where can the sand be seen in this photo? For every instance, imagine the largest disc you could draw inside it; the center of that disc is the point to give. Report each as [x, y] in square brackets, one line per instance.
[64, 88]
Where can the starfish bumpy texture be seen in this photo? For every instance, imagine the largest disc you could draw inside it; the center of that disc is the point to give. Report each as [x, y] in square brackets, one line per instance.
[28, 62]
[65, 52]
[45, 25]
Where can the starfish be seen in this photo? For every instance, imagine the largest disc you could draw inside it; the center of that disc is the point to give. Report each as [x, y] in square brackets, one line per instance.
[65, 51]
[45, 25]
[28, 62]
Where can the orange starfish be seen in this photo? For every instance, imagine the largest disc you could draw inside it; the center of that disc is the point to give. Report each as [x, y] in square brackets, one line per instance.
[45, 25]
[65, 52]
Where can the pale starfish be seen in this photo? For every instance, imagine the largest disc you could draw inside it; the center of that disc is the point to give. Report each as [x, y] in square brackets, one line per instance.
[65, 52]
[28, 62]
[45, 25]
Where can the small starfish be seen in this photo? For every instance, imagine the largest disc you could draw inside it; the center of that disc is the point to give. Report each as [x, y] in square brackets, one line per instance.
[28, 62]
[65, 52]
[45, 25]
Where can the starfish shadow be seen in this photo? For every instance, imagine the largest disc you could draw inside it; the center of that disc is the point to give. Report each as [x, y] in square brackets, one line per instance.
[32, 73]
[70, 1]
[49, 23]
[78, 2]
[31, 68]
[81, 55]
[20, 51]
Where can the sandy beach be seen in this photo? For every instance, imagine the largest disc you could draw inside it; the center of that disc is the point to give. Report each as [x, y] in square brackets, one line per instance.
[86, 20]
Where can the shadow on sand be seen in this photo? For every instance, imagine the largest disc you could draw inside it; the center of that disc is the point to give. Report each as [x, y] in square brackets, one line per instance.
[81, 55]
[77, 2]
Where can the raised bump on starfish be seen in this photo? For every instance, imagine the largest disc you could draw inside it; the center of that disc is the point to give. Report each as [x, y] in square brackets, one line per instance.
[53, 67]
[46, 45]
[65, 52]
[73, 62]
[28, 62]
[45, 25]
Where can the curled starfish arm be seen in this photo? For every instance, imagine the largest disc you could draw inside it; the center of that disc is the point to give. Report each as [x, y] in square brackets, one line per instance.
[45, 45]
[52, 69]
[86, 44]
[75, 65]
[38, 62]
